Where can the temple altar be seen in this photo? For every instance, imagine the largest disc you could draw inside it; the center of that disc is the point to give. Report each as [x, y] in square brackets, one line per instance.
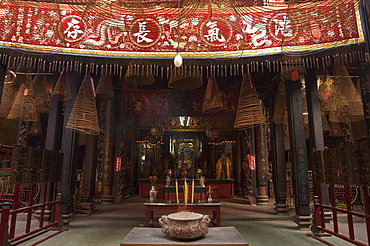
[221, 188]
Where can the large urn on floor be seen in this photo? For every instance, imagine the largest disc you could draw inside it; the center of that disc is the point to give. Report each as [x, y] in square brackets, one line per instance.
[185, 225]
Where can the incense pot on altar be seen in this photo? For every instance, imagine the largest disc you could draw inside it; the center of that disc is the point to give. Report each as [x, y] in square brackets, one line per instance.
[185, 225]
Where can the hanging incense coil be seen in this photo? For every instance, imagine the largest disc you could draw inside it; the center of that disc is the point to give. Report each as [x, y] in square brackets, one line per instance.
[42, 94]
[355, 107]
[342, 83]
[36, 128]
[139, 74]
[185, 77]
[340, 114]
[280, 104]
[22, 75]
[327, 94]
[286, 134]
[325, 123]
[105, 87]
[62, 87]
[212, 99]
[84, 115]
[24, 107]
[250, 110]
[347, 104]
[9, 93]
[336, 130]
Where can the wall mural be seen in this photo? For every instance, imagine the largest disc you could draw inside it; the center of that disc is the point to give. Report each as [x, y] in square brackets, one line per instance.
[51, 27]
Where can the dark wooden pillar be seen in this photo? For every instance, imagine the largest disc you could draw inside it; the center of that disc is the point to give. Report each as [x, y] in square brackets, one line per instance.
[55, 120]
[298, 153]
[2, 79]
[134, 164]
[364, 66]
[316, 132]
[279, 167]
[89, 168]
[107, 109]
[315, 120]
[364, 76]
[69, 148]
[262, 164]
[55, 124]
[238, 171]
[314, 111]
[364, 12]
[277, 112]
[53, 138]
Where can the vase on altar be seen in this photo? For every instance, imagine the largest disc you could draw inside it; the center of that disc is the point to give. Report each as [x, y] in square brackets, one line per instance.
[153, 194]
[168, 180]
[201, 181]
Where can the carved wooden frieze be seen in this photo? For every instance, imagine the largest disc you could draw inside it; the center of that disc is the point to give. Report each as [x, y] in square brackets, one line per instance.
[361, 164]
[317, 161]
[345, 159]
[46, 169]
[19, 166]
[34, 164]
[57, 166]
[330, 166]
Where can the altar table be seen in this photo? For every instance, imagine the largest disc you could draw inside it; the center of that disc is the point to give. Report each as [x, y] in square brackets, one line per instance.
[223, 188]
[199, 192]
[225, 236]
[150, 207]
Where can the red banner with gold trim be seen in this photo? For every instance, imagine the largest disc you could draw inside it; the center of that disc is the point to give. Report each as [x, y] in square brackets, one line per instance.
[51, 27]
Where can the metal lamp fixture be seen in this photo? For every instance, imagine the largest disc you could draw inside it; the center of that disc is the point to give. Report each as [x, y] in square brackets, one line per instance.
[178, 59]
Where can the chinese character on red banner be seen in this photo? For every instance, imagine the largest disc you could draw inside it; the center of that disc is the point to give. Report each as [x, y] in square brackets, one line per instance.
[118, 164]
[252, 162]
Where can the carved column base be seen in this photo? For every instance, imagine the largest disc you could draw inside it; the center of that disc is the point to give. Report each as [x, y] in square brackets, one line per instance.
[238, 190]
[328, 216]
[262, 200]
[107, 199]
[67, 218]
[303, 222]
[282, 208]
[47, 214]
[86, 198]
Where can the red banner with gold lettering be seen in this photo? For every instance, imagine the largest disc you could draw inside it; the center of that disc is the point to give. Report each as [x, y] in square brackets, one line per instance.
[50, 27]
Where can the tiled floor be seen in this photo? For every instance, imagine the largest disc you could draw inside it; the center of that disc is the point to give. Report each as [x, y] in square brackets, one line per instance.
[109, 224]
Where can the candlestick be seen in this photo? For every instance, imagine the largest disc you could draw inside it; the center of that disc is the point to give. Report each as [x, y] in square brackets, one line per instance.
[177, 192]
[186, 192]
[192, 192]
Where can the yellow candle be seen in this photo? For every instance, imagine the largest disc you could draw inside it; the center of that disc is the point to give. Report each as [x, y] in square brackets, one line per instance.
[177, 192]
[192, 192]
[185, 193]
